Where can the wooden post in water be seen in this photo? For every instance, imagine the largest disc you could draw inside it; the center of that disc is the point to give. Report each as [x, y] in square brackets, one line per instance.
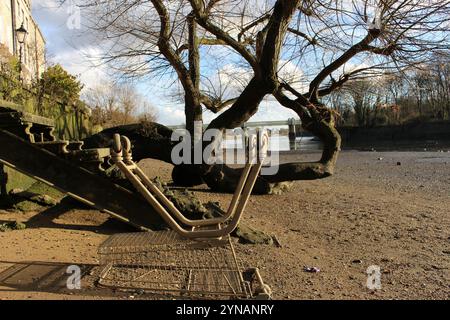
[292, 134]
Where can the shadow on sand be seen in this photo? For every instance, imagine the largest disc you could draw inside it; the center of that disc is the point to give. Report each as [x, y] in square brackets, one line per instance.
[50, 277]
[47, 217]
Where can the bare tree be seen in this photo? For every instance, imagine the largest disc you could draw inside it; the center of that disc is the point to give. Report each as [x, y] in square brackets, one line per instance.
[331, 41]
[430, 87]
[115, 104]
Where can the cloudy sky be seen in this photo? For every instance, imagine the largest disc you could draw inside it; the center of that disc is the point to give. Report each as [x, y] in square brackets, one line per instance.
[79, 53]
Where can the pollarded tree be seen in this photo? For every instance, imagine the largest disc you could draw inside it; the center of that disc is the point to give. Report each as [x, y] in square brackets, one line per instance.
[323, 43]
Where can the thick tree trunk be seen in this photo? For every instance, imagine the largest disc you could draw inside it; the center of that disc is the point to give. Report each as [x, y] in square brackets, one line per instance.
[245, 106]
[193, 107]
[151, 140]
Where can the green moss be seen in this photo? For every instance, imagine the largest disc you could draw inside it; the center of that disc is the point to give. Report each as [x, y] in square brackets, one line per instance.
[41, 188]
[184, 200]
[11, 226]
[17, 180]
[55, 96]
[41, 196]
[27, 206]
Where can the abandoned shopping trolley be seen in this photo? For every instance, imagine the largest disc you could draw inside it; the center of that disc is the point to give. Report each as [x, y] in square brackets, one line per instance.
[197, 257]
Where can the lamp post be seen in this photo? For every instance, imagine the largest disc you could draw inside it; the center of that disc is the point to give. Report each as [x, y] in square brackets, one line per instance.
[21, 37]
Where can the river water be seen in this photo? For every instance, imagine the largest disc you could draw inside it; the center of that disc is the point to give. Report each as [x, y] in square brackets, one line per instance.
[280, 143]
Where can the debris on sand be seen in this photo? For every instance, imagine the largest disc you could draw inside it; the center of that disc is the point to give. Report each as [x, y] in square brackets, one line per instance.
[311, 269]
[11, 226]
[248, 235]
[280, 188]
[277, 242]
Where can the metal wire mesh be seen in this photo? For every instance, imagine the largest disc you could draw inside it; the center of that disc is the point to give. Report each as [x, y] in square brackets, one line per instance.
[163, 262]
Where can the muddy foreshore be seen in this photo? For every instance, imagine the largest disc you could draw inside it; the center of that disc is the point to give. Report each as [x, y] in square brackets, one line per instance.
[386, 209]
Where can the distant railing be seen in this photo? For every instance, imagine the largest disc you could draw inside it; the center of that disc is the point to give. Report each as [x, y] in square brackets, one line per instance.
[293, 124]
[258, 124]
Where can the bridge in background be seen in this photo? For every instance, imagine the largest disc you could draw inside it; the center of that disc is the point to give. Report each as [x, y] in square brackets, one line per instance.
[258, 124]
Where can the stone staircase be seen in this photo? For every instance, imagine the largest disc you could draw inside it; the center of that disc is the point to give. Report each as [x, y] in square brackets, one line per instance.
[28, 145]
[40, 131]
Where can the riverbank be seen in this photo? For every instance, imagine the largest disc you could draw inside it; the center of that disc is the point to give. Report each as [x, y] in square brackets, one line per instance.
[419, 136]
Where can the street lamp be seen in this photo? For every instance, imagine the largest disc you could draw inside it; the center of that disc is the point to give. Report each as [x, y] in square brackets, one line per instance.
[21, 37]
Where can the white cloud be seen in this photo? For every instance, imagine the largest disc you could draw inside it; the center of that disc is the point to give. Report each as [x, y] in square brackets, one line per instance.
[83, 63]
[292, 74]
[73, 49]
[171, 115]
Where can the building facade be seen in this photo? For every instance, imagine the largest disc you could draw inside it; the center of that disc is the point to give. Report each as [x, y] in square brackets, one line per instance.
[14, 14]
